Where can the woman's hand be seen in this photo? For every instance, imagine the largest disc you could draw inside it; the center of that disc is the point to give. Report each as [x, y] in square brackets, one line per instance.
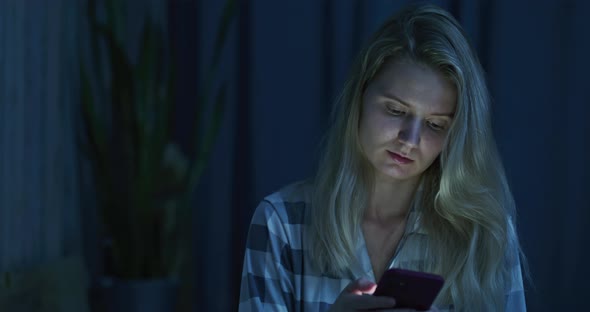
[358, 296]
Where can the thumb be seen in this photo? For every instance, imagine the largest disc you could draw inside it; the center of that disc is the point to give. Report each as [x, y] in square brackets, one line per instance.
[361, 286]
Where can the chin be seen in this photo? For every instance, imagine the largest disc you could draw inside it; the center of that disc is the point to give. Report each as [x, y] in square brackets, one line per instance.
[399, 175]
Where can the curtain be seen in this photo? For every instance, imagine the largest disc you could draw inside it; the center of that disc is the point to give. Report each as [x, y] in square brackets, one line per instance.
[39, 198]
[41, 260]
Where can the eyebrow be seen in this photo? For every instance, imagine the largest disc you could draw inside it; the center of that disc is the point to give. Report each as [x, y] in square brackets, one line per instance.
[393, 97]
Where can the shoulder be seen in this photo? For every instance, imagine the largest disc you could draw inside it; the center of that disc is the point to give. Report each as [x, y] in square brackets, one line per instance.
[279, 219]
[288, 205]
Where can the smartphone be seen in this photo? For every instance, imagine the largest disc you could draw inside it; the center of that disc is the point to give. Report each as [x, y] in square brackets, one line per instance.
[410, 289]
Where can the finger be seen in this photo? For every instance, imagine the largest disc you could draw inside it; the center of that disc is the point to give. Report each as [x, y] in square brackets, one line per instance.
[361, 286]
[367, 302]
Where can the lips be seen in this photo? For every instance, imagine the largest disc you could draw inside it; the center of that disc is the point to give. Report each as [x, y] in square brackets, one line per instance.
[399, 158]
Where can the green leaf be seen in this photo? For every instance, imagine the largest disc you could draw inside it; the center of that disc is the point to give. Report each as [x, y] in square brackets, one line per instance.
[123, 112]
[227, 17]
[148, 84]
[115, 13]
[94, 40]
[209, 138]
[95, 131]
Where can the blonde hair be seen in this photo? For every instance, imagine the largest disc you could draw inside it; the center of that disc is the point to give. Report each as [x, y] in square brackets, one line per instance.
[465, 199]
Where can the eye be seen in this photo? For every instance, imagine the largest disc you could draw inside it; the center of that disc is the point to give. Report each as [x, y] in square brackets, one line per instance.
[435, 126]
[395, 112]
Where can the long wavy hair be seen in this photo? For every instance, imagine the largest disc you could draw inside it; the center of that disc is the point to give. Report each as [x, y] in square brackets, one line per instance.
[465, 200]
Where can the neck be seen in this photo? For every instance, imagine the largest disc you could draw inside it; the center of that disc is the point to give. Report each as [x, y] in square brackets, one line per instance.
[391, 199]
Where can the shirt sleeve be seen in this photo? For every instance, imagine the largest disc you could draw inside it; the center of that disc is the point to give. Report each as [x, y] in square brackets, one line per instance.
[265, 285]
[515, 301]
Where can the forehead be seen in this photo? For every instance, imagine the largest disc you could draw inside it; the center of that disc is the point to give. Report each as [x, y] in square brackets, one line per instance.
[416, 85]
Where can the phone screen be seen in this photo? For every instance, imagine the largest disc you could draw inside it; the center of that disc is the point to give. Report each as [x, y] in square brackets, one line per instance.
[410, 289]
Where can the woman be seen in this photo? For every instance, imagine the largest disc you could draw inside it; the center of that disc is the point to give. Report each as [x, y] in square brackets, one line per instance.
[410, 178]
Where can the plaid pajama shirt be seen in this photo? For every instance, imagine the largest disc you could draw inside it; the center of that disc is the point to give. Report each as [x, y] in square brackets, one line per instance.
[277, 273]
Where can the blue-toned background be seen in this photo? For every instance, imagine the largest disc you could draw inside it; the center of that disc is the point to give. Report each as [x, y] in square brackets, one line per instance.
[285, 62]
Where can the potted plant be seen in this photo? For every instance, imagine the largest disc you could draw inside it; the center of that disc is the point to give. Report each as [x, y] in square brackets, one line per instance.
[143, 180]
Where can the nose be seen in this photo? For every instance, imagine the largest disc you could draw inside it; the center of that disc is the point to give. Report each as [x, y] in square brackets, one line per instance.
[409, 134]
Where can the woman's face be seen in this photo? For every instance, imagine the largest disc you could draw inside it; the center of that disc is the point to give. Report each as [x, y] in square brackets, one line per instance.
[406, 112]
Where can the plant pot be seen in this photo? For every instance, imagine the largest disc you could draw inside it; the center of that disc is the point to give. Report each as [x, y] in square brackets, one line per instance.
[152, 295]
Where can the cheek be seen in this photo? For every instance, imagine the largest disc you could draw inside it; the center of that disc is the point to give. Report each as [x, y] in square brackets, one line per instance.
[375, 129]
[433, 144]
[365, 135]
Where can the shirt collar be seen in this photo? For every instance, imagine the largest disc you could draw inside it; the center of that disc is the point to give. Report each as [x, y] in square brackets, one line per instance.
[414, 224]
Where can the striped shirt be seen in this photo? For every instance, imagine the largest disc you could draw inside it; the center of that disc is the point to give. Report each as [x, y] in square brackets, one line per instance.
[278, 275]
